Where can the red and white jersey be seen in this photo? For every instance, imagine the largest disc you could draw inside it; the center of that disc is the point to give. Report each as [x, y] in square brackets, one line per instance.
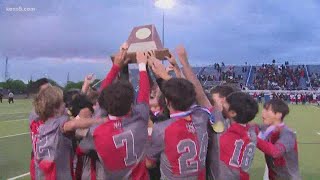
[34, 124]
[282, 161]
[181, 145]
[120, 144]
[237, 148]
[53, 152]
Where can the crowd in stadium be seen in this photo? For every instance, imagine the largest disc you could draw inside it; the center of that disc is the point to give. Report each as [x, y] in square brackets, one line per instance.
[315, 79]
[273, 77]
[170, 130]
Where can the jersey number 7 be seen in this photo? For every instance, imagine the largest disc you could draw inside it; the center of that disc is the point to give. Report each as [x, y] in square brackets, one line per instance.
[126, 139]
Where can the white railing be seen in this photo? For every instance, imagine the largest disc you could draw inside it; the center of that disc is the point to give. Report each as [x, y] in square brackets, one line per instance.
[305, 67]
[249, 75]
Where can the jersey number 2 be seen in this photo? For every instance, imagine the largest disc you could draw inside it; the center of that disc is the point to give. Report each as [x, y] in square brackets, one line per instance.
[188, 150]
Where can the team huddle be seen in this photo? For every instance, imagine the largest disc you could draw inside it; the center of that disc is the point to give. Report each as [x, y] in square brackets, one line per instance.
[168, 130]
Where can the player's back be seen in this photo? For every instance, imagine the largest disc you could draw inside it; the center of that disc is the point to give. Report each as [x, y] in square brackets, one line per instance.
[183, 146]
[53, 151]
[120, 144]
[237, 148]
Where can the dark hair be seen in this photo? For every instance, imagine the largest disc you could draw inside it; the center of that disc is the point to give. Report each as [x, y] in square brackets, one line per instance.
[180, 93]
[69, 95]
[93, 96]
[277, 106]
[223, 91]
[117, 98]
[244, 105]
[35, 86]
[79, 101]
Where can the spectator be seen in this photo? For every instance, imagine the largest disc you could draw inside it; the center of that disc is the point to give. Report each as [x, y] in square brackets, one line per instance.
[1, 96]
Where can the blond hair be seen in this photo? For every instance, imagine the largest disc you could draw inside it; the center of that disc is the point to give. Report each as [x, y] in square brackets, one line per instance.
[48, 101]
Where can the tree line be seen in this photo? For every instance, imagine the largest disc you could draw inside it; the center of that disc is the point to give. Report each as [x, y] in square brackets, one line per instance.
[20, 87]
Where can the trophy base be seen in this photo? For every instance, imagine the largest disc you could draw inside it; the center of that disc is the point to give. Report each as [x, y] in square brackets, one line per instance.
[160, 54]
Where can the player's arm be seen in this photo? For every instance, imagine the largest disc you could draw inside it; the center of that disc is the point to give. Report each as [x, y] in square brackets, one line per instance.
[155, 148]
[285, 144]
[144, 85]
[86, 144]
[188, 73]
[174, 65]
[81, 123]
[158, 68]
[86, 83]
[119, 61]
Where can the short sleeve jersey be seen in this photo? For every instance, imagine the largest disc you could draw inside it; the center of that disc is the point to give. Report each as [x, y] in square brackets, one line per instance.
[286, 166]
[120, 145]
[237, 152]
[181, 146]
[53, 151]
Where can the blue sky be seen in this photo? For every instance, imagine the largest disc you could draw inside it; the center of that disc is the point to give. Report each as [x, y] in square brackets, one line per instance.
[79, 36]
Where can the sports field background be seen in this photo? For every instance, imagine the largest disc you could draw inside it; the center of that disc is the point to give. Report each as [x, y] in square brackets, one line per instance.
[15, 142]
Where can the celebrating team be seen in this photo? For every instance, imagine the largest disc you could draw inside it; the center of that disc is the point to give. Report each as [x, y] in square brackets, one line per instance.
[168, 131]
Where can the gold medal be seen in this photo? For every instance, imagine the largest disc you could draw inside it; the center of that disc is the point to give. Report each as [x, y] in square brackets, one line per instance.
[218, 127]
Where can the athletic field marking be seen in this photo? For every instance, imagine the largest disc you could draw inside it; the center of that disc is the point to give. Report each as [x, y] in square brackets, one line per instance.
[15, 113]
[13, 135]
[13, 120]
[20, 176]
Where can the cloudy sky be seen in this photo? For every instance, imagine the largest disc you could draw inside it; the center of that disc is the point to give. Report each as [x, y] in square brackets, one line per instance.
[78, 37]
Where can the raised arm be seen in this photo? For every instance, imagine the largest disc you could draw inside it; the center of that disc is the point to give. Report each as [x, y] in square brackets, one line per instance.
[119, 62]
[144, 85]
[86, 83]
[188, 73]
[81, 123]
[174, 65]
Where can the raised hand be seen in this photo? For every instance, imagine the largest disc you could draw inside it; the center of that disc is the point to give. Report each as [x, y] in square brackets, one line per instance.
[182, 54]
[171, 59]
[119, 58]
[89, 78]
[159, 70]
[142, 57]
[169, 68]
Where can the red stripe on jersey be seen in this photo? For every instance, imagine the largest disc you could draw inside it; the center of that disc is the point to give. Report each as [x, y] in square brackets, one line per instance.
[140, 171]
[93, 169]
[32, 167]
[79, 166]
[34, 126]
[112, 157]
[176, 133]
[71, 167]
[49, 169]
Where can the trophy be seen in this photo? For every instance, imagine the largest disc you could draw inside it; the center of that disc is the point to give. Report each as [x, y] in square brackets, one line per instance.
[145, 38]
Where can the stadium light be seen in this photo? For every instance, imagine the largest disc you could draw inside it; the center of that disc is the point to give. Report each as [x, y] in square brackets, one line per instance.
[164, 4]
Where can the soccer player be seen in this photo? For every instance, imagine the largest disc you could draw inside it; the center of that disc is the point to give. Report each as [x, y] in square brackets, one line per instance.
[238, 143]
[51, 140]
[34, 124]
[10, 98]
[180, 143]
[280, 144]
[120, 141]
[219, 95]
[212, 159]
[1, 96]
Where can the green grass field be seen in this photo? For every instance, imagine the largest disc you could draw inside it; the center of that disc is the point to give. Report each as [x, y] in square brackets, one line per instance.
[15, 143]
